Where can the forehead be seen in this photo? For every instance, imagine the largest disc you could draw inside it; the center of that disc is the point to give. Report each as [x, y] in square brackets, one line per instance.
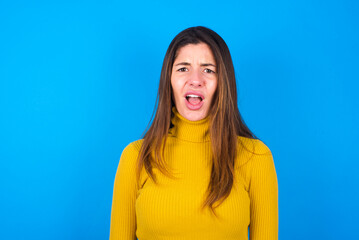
[195, 52]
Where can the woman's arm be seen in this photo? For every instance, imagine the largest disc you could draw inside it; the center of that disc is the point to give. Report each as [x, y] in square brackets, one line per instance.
[123, 215]
[263, 193]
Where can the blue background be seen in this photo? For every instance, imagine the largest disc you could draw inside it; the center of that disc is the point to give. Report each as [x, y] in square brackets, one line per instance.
[78, 82]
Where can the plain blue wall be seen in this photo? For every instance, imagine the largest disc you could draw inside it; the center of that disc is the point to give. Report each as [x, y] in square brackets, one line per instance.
[78, 82]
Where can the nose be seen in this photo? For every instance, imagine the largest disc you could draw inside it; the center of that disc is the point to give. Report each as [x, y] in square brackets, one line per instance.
[196, 79]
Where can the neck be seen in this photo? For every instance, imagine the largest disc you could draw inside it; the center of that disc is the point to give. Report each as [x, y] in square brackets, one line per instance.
[191, 131]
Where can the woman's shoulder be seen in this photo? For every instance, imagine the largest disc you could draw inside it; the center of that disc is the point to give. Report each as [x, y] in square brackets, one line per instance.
[251, 148]
[253, 145]
[134, 146]
[129, 155]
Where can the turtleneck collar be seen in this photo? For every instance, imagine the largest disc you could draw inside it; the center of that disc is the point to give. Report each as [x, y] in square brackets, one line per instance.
[192, 131]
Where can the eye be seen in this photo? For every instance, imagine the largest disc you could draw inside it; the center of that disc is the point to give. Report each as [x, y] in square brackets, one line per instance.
[182, 69]
[207, 70]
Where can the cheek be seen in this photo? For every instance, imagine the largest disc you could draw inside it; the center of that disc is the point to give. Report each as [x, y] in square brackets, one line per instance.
[212, 88]
[176, 86]
[175, 92]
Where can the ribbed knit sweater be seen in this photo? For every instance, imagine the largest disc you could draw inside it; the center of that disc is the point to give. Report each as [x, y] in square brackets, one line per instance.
[171, 209]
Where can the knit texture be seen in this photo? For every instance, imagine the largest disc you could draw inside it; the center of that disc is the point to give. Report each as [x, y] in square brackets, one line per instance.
[171, 209]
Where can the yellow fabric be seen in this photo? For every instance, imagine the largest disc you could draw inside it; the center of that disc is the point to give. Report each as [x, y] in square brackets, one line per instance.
[171, 209]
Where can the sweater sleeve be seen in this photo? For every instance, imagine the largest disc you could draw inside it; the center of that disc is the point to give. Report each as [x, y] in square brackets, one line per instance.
[263, 193]
[123, 215]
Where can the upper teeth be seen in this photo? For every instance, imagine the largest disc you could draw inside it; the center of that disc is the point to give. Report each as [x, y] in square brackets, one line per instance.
[192, 95]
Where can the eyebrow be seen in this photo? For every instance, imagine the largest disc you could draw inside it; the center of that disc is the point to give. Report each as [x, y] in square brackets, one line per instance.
[202, 64]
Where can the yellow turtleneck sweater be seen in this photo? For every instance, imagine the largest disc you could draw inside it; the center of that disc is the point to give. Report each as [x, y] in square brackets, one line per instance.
[171, 209]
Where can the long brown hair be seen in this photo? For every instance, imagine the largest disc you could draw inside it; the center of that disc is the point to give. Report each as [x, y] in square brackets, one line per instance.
[226, 123]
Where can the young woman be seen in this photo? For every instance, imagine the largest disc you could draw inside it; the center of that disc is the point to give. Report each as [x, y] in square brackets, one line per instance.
[199, 173]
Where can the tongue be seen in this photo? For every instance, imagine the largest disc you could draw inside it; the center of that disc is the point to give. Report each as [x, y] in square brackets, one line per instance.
[194, 100]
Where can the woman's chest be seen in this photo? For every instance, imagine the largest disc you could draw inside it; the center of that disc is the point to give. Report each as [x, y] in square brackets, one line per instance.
[173, 206]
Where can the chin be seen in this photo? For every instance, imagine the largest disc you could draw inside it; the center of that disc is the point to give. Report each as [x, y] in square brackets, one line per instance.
[194, 115]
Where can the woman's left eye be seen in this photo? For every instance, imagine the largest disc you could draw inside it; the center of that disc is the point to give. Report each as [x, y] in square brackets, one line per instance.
[207, 70]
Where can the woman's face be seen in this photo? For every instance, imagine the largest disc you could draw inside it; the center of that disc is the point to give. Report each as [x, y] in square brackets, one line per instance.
[194, 80]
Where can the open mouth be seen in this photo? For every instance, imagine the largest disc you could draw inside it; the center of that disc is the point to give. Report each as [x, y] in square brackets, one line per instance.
[194, 99]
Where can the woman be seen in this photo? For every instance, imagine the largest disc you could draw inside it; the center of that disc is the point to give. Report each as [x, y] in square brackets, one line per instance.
[199, 173]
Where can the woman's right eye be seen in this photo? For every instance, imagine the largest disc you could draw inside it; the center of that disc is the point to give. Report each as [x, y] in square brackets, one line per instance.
[182, 69]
